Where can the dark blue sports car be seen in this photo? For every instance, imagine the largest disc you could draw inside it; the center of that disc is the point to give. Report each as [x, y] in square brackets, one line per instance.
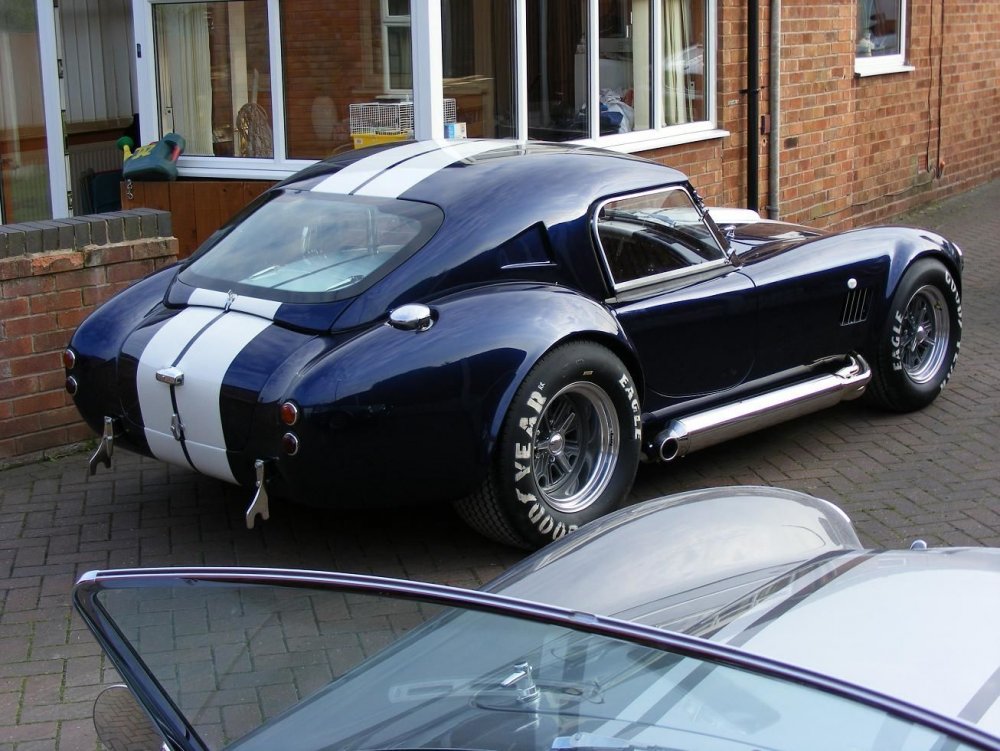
[510, 327]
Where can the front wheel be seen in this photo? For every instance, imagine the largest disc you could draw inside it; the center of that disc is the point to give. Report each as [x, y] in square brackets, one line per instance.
[920, 339]
[568, 449]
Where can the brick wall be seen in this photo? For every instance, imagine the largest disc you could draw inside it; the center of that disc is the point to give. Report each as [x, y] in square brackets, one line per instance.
[331, 59]
[857, 150]
[52, 275]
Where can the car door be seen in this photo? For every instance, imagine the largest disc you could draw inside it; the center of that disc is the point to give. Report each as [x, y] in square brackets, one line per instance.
[690, 315]
[254, 659]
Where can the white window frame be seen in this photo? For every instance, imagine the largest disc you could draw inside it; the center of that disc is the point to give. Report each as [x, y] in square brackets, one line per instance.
[52, 99]
[276, 168]
[426, 42]
[394, 21]
[656, 136]
[878, 65]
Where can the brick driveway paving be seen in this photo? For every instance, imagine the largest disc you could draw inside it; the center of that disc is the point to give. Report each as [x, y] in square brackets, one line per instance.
[934, 474]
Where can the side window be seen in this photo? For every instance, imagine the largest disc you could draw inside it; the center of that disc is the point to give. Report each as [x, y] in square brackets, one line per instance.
[653, 235]
[880, 37]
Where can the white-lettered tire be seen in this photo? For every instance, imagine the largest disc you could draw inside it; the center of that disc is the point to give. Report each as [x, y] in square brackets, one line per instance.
[919, 342]
[567, 452]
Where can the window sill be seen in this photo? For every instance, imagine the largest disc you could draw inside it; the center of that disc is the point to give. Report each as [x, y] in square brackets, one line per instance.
[868, 68]
[224, 169]
[631, 143]
[247, 169]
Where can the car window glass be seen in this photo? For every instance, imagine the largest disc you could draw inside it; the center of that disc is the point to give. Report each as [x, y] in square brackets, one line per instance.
[304, 246]
[264, 667]
[653, 234]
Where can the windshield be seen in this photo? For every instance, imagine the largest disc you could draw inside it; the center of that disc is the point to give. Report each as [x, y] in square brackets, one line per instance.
[311, 247]
[254, 666]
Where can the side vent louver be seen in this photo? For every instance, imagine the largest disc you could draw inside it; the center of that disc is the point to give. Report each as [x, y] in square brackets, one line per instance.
[856, 306]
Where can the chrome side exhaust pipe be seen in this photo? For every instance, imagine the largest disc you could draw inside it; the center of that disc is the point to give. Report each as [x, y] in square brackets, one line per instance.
[703, 429]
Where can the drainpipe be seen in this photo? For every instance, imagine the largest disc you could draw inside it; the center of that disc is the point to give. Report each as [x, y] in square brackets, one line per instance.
[753, 103]
[774, 108]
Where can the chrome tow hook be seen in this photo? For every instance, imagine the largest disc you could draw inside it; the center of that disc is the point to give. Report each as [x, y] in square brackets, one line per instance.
[259, 504]
[106, 448]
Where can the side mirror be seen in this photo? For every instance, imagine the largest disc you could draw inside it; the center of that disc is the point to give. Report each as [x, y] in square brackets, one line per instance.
[122, 725]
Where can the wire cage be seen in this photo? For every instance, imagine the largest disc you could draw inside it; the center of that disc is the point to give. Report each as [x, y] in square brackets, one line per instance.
[379, 122]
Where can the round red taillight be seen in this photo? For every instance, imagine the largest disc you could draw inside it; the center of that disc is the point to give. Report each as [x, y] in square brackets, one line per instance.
[289, 413]
[69, 359]
[290, 442]
[71, 386]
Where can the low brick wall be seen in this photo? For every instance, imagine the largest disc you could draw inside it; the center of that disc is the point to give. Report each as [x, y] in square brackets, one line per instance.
[52, 275]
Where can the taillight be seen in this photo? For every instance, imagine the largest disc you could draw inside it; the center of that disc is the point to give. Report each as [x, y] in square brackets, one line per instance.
[288, 413]
[69, 359]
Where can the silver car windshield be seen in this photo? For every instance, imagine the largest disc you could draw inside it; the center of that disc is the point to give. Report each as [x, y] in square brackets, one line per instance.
[255, 666]
[309, 247]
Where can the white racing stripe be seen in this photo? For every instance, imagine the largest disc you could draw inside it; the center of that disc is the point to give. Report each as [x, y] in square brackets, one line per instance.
[214, 299]
[204, 365]
[209, 298]
[354, 175]
[207, 361]
[154, 397]
[394, 182]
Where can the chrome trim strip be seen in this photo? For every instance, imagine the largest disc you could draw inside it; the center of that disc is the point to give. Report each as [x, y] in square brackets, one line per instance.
[648, 281]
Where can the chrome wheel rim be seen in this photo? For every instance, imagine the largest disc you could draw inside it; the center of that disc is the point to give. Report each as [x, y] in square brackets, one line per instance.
[575, 447]
[924, 334]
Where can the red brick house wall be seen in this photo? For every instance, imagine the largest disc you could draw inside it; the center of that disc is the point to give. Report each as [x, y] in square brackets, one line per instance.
[857, 150]
[44, 295]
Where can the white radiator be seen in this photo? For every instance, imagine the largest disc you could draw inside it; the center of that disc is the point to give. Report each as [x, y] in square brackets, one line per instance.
[85, 160]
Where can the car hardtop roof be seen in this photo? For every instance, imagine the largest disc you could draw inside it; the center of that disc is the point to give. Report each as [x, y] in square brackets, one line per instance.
[455, 173]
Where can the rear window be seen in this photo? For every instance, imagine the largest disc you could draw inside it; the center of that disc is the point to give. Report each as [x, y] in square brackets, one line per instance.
[313, 247]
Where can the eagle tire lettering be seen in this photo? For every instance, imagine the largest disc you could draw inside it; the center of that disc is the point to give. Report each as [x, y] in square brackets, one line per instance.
[930, 290]
[626, 383]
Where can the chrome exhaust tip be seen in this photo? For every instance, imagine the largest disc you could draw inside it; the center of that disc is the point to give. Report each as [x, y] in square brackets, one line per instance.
[669, 444]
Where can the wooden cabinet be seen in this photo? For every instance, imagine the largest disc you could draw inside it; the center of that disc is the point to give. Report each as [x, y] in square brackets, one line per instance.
[197, 207]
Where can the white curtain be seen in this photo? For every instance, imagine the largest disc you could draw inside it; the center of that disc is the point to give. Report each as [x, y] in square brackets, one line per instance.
[677, 41]
[185, 74]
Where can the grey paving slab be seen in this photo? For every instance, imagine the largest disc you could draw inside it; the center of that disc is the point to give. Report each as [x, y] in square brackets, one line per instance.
[934, 474]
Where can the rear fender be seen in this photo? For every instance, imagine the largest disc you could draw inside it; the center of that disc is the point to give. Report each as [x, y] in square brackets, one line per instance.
[99, 338]
[435, 400]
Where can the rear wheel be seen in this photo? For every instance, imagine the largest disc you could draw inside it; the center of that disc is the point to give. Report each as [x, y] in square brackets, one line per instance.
[568, 449]
[920, 339]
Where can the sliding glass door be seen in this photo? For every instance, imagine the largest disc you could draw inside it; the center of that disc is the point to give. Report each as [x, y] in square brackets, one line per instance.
[32, 172]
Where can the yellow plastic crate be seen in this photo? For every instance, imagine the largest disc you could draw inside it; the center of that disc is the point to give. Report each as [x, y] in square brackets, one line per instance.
[374, 139]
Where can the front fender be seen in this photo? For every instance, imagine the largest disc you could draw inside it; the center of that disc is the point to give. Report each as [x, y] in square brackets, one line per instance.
[906, 245]
[431, 403]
